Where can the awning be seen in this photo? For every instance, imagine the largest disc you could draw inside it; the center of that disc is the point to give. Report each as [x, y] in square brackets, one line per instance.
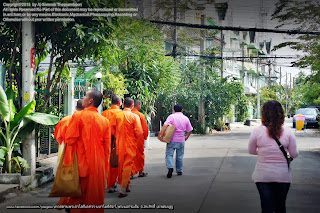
[251, 46]
[252, 72]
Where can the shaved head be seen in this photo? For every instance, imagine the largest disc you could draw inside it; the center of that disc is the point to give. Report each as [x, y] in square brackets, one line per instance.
[92, 98]
[96, 96]
[128, 102]
[137, 104]
[115, 99]
[79, 106]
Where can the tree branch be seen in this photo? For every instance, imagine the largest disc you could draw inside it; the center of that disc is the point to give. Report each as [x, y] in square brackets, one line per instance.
[13, 55]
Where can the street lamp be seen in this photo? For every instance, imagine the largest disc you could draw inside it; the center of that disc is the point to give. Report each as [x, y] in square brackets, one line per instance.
[99, 87]
[98, 75]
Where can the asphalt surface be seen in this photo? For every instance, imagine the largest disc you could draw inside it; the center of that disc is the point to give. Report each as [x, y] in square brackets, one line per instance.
[216, 178]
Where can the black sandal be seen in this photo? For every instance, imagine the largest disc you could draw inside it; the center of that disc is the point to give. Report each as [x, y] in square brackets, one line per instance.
[122, 195]
[112, 191]
[128, 188]
[143, 174]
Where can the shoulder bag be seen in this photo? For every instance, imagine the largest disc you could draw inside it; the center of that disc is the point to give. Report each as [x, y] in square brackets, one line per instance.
[114, 158]
[286, 155]
[67, 181]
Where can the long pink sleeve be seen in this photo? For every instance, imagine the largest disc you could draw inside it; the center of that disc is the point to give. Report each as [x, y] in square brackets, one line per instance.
[252, 145]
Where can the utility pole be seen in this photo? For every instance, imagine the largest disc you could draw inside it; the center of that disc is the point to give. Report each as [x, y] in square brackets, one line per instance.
[72, 74]
[174, 33]
[242, 63]
[269, 82]
[221, 53]
[293, 82]
[290, 80]
[201, 111]
[28, 65]
[280, 76]
[258, 89]
[286, 93]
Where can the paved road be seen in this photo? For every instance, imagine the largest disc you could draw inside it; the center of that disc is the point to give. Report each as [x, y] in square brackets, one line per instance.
[216, 178]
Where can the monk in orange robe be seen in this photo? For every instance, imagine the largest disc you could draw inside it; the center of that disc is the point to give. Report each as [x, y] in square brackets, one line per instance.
[139, 159]
[61, 128]
[110, 114]
[128, 130]
[89, 135]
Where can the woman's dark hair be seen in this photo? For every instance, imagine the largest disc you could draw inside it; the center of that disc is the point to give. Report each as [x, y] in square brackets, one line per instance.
[273, 118]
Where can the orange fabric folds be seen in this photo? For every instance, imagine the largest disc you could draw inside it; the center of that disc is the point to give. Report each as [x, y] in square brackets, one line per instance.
[167, 136]
[67, 181]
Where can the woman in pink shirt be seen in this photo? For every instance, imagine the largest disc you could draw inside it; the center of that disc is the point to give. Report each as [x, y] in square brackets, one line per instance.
[272, 175]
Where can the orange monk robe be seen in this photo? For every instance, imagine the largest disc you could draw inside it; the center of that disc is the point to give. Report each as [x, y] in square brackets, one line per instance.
[89, 135]
[61, 127]
[139, 159]
[113, 172]
[60, 133]
[128, 130]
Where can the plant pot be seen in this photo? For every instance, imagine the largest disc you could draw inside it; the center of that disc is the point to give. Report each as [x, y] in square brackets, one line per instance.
[10, 178]
[219, 128]
[248, 122]
[228, 126]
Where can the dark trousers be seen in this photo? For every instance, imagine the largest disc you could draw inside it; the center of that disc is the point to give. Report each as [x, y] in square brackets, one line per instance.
[273, 196]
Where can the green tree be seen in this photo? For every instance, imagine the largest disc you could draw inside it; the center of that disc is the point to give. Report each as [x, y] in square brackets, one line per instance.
[306, 91]
[305, 16]
[200, 79]
[139, 56]
[62, 42]
[14, 127]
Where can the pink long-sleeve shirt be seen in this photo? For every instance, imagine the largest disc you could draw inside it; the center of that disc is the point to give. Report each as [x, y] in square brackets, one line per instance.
[271, 165]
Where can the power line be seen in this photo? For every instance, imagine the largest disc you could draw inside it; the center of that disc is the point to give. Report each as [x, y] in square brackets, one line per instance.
[234, 57]
[235, 28]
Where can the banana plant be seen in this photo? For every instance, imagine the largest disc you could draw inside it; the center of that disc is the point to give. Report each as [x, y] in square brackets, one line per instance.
[14, 125]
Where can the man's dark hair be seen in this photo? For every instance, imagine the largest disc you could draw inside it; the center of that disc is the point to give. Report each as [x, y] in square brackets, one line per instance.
[177, 108]
[79, 105]
[96, 96]
[115, 99]
[136, 103]
[128, 102]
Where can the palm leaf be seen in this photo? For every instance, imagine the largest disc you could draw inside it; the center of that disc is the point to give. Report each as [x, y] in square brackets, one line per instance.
[4, 106]
[11, 97]
[43, 118]
[24, 111]
[3, 152]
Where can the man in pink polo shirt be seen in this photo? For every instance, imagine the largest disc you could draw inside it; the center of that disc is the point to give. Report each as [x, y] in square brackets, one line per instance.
[183, 125]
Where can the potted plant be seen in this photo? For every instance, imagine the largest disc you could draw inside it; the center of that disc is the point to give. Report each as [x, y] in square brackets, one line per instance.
[14, 127]
[230, 118]
[220, 125]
